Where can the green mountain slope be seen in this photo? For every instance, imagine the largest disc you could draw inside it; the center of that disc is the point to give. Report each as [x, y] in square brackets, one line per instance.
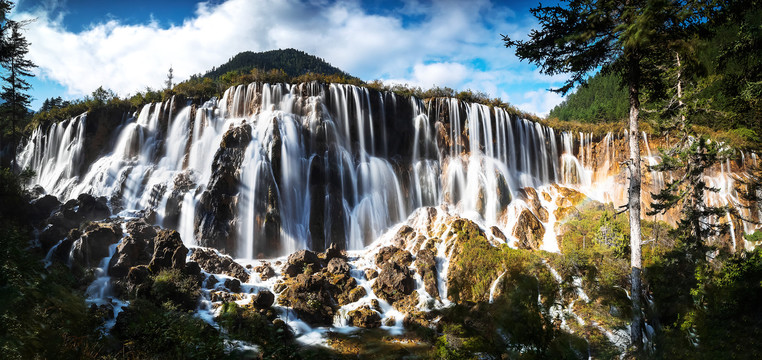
[602, 100]
[293, 62]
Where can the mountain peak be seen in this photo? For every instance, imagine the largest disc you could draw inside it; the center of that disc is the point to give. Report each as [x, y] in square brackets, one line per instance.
[292, 61]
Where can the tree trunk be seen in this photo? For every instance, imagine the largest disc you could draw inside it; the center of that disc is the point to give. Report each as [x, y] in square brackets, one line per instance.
[634, 209]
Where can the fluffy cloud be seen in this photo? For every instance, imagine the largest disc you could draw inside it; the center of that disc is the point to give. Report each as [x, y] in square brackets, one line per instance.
[453, 43]
[540, 102]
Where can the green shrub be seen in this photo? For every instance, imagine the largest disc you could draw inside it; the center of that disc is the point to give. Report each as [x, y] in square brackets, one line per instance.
[177, 290]
[148, 331]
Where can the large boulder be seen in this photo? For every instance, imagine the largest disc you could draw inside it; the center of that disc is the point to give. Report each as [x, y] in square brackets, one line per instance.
[213, 263]
[43, 207]
[338, 266]
[137, 248]
[168, 252]
[395, 255]
[92, 208]
[394, 282]
[215, 213]
[300, 261]
[93, 245]
[311, 298]
[364, 317]
[130, 252]
[529, 231]
[263, 299]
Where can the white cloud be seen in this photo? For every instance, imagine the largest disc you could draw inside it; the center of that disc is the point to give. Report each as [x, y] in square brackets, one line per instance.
[457, 44]
[540, 102]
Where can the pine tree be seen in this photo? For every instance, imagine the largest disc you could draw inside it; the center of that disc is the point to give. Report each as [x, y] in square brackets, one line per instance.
[624, 37]
[17, 68]
[169, 78]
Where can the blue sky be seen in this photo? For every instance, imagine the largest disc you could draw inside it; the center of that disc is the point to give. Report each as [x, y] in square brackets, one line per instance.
[129, 45]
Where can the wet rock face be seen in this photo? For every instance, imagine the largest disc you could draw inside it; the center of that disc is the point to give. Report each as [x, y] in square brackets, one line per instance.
[136, 249]
[215, 213]
[42, 207]
[311, 298]
[263, 299]
[427, 266]
[338, 266]
[91, 208]
[533, 200]
[183, 183]
[216, 264]
[300, 261]
[394, 282]
[93, 245]
[168, 252]
[364, 317]
[66, 216]
[529, 231]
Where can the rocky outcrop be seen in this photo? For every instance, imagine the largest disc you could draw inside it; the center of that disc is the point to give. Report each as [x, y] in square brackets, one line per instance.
[394, 282]
[338, 266]
[168, 251]
[215, 213]
[530, 196]
[263, 299]
[315, 292]
[213, 263]
[137, 248]
[301, 261]
[364, 317]
[93, 245]
[265, 271]
[311, 297]
[426, 264]
[529, 231]
[67, 216]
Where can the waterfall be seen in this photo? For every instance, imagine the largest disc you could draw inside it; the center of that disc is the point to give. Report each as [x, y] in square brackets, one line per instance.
[321, 164]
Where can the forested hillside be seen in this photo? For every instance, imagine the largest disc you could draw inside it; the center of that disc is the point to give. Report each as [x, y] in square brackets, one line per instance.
[722, 75]
[293, 62]
[602, 100]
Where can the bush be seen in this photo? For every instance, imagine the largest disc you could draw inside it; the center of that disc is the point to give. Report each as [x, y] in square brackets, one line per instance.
[146, 330]
[175, 290]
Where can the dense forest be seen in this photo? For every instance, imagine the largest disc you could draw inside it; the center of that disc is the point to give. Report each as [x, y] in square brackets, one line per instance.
[293, 62]
[725, 85]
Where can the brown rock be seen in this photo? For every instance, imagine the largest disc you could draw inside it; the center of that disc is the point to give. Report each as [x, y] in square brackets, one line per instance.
[213, 263]
[394, 282]
[338, 266]
[263, 299]
[426, 264]
[371, 274]
[168, 252]
[94, 243]
[529, 231]
[364, 317]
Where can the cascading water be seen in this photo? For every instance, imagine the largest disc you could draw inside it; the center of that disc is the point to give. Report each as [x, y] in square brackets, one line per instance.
[277, 167]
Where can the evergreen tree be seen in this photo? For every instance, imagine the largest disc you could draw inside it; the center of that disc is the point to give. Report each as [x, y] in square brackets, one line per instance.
[625, 37]
[17, 67]
[169, 78]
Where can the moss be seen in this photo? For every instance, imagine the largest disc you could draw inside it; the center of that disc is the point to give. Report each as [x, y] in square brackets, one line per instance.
[175, 289]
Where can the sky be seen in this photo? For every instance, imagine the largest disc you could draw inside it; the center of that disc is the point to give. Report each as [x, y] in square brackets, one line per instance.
[126, 46]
